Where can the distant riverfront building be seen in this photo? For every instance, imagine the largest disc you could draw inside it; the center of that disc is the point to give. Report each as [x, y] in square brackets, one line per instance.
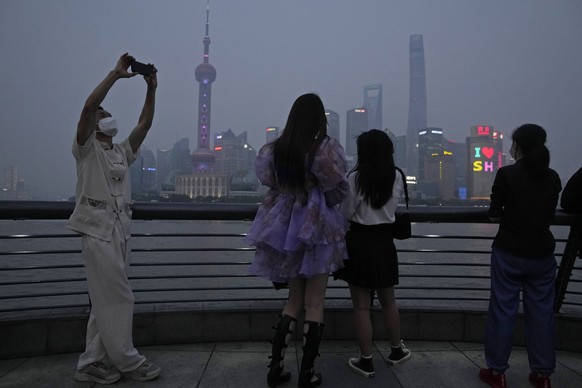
[417, 103]
[356, 123]
[485, 148]
[333, 124]
[235, 159]
[272, 133]
[373, 103]
[399, 143]
[439, 169]
[436, 165]
[460, 152]
[143, 171]
[430, 142]
[173, 163]
[162, 167]
[12, 186]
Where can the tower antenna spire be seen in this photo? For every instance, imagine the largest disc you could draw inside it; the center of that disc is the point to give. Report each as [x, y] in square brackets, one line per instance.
[207, 17]
[207, 36]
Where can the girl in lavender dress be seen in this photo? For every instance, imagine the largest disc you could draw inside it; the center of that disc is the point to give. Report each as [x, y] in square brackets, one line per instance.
[298, 231]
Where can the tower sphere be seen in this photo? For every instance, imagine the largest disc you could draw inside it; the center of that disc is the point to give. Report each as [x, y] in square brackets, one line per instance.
[205, 71]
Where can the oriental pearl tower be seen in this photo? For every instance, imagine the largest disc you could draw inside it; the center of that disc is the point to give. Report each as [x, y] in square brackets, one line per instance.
[203, 157]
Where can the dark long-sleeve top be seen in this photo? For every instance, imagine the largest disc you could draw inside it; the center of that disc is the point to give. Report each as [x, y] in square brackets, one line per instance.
[525, 207]
[571, 200]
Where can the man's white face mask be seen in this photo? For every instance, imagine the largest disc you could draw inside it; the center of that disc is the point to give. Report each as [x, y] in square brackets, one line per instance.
[108, 126]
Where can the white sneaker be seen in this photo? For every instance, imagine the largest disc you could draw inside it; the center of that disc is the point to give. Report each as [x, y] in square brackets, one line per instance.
[97, 372]
[145, 372]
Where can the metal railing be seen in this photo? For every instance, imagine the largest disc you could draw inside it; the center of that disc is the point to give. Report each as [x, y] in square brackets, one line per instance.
[44, 271]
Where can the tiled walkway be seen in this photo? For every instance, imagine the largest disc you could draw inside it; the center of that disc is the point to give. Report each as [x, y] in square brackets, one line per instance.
[244, 364]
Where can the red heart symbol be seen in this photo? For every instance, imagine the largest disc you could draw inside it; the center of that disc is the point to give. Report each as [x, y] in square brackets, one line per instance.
[488, 152]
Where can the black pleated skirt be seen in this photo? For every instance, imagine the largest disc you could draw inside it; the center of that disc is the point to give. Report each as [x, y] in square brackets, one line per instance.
[373, 262]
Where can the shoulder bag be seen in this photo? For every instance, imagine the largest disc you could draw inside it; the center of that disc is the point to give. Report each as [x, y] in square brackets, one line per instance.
[401, 229]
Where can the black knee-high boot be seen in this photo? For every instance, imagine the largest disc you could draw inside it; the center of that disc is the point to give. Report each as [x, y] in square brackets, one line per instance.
[312, 334]
[283, 332]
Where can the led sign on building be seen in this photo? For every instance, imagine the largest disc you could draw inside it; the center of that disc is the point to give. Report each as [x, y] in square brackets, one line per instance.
[485, 146]
[483, 159]
[483, 130]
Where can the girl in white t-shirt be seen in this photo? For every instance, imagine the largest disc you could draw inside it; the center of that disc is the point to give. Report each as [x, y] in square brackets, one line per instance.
[375, 189]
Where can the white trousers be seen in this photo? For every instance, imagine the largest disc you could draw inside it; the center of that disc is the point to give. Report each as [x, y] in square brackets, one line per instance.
[109, 331]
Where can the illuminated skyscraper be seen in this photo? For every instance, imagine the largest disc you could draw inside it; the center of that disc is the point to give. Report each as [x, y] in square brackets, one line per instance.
[356, 123]
[439, 172]
[12, 187]
[162, 168]
[485, 157]
[373, 103]
[430, 142]
[272, 133]
[460, 153]
[174, 163]
[203, 157]
[201, 184]
[149, 169]
[333, 124]
[399, 148]
[235, 159]
[10, 178]
[143, 171]
[417, 106]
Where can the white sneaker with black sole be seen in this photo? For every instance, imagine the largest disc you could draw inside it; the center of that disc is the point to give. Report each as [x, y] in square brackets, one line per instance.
[97, 372]
[145, 372]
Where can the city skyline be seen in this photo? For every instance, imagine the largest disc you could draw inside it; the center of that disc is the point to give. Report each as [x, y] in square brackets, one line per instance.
[489, 64]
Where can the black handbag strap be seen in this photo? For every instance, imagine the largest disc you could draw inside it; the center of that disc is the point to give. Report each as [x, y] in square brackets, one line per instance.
[405, 186]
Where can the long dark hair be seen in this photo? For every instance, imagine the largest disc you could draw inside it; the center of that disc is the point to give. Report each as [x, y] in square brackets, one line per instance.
[305, 129]
[530, 139]
[375, 167]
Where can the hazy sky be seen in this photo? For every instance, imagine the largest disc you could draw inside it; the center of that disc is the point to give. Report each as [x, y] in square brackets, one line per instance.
[499, 62]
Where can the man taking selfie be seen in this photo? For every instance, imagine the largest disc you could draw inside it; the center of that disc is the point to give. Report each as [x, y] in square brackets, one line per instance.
[102, 216]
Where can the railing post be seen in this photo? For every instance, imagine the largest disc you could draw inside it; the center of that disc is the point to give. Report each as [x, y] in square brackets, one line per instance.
[571, 251]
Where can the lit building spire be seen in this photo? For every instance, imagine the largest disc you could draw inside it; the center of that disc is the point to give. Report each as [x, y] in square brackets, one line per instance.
[207, 36]
[203, 157]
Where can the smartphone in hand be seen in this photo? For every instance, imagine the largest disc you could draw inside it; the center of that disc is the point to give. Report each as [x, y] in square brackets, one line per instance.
[142, 68]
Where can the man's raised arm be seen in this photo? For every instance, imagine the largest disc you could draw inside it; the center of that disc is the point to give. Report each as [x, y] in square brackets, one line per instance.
[146, 118]
[87, 120]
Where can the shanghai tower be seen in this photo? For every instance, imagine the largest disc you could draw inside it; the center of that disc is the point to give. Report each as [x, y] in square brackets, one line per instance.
[203, 157]
[417, 109]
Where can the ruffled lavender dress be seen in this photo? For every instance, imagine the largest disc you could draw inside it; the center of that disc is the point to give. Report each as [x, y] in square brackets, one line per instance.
[297, 238]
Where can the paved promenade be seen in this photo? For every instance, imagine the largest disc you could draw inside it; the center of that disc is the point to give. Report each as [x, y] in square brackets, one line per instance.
[244, 364]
